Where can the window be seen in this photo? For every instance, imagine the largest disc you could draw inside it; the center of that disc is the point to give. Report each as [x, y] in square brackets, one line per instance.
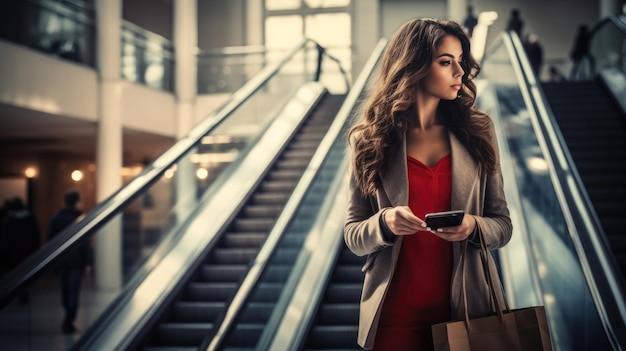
[328, 22]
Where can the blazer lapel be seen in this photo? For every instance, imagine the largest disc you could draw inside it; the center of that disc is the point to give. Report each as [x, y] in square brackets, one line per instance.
[465, 175]
[395, 178]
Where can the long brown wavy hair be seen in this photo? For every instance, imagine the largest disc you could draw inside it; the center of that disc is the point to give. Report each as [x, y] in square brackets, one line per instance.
[390, 105]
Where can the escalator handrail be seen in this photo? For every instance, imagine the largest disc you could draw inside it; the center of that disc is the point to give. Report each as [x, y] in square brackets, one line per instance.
[81, 230]
[596, 259]
[618, 21]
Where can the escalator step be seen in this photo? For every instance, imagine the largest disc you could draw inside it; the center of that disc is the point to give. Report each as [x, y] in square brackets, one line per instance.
[348, 274]
[245, 335]
[197, 312]
[276, 273]
[279, 185]
[169, 348]
[227, 255]
[254, 224]
[613, 225]
[285, 174]
[593, 180]
[347, 257]
[187, 334]
[314, 136]
[300, 153]
[267, 292]
[197, 291]
[339, 314]
[601, 167]
[342, 293]
[262, 210]
[270, 198]
[333, 336]
[293, 163]
[224, 273]
[257, 312]
[305, 145]
[250, 239]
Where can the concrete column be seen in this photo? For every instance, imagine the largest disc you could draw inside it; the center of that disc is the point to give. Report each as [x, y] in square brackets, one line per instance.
[108, 263]
[457, 10]
[366, 32]
[254, 22]
[185, 48]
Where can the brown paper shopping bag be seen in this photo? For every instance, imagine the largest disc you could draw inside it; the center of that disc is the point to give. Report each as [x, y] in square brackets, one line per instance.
[522, 329]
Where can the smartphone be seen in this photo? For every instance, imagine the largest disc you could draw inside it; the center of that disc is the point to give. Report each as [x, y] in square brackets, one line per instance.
[444, 219]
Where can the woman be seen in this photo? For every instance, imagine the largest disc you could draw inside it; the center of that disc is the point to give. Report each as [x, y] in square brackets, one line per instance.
[421, 146]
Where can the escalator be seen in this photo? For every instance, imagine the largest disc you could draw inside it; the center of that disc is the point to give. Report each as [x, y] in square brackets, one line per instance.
[202, 302]
[214, 196]
[594, 129]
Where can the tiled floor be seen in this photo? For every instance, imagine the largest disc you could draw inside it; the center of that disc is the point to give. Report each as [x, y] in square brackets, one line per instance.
[36, 324]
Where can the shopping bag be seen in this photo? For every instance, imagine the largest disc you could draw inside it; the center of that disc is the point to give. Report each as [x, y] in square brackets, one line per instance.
[522, 329]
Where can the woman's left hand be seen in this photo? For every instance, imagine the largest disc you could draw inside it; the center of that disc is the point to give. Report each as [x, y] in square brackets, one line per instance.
[458, 233]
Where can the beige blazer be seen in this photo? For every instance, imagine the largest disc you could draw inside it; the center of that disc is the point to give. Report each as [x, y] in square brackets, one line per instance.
[473, 190]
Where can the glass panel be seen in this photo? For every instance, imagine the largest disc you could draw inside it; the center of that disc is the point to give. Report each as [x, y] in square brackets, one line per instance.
[226, 71]
[271, 5]
[574, 321]
[607, 50]
[146, 58]
[142, 231]
[62, 29]
[327, 3]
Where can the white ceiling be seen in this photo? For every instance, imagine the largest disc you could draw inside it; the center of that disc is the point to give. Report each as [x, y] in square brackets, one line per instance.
[32, 133]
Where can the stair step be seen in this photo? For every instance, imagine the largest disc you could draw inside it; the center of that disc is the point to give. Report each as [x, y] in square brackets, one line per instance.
[244, 239]
[199, 311]
[333, 336]
[185, 334]
[254, 224]
[226, 255]
[201, 291]
[339, 314]
[262, 210]
[223, 273]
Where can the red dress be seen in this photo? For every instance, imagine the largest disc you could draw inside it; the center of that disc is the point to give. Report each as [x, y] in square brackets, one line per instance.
[419, 293]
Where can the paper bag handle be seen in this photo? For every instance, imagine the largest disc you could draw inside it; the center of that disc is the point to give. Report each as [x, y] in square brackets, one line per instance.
[488, 277]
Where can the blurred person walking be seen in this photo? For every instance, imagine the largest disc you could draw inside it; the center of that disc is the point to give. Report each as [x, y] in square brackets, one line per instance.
[580, 52]
[73, 264]
[20, 236]
[515, 23]
[470, 21]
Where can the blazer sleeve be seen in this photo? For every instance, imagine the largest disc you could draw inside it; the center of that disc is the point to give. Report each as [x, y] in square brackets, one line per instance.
[495, 221]
[365, 231]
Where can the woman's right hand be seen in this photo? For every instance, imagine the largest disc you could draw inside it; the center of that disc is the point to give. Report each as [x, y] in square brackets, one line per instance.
[402, 221]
